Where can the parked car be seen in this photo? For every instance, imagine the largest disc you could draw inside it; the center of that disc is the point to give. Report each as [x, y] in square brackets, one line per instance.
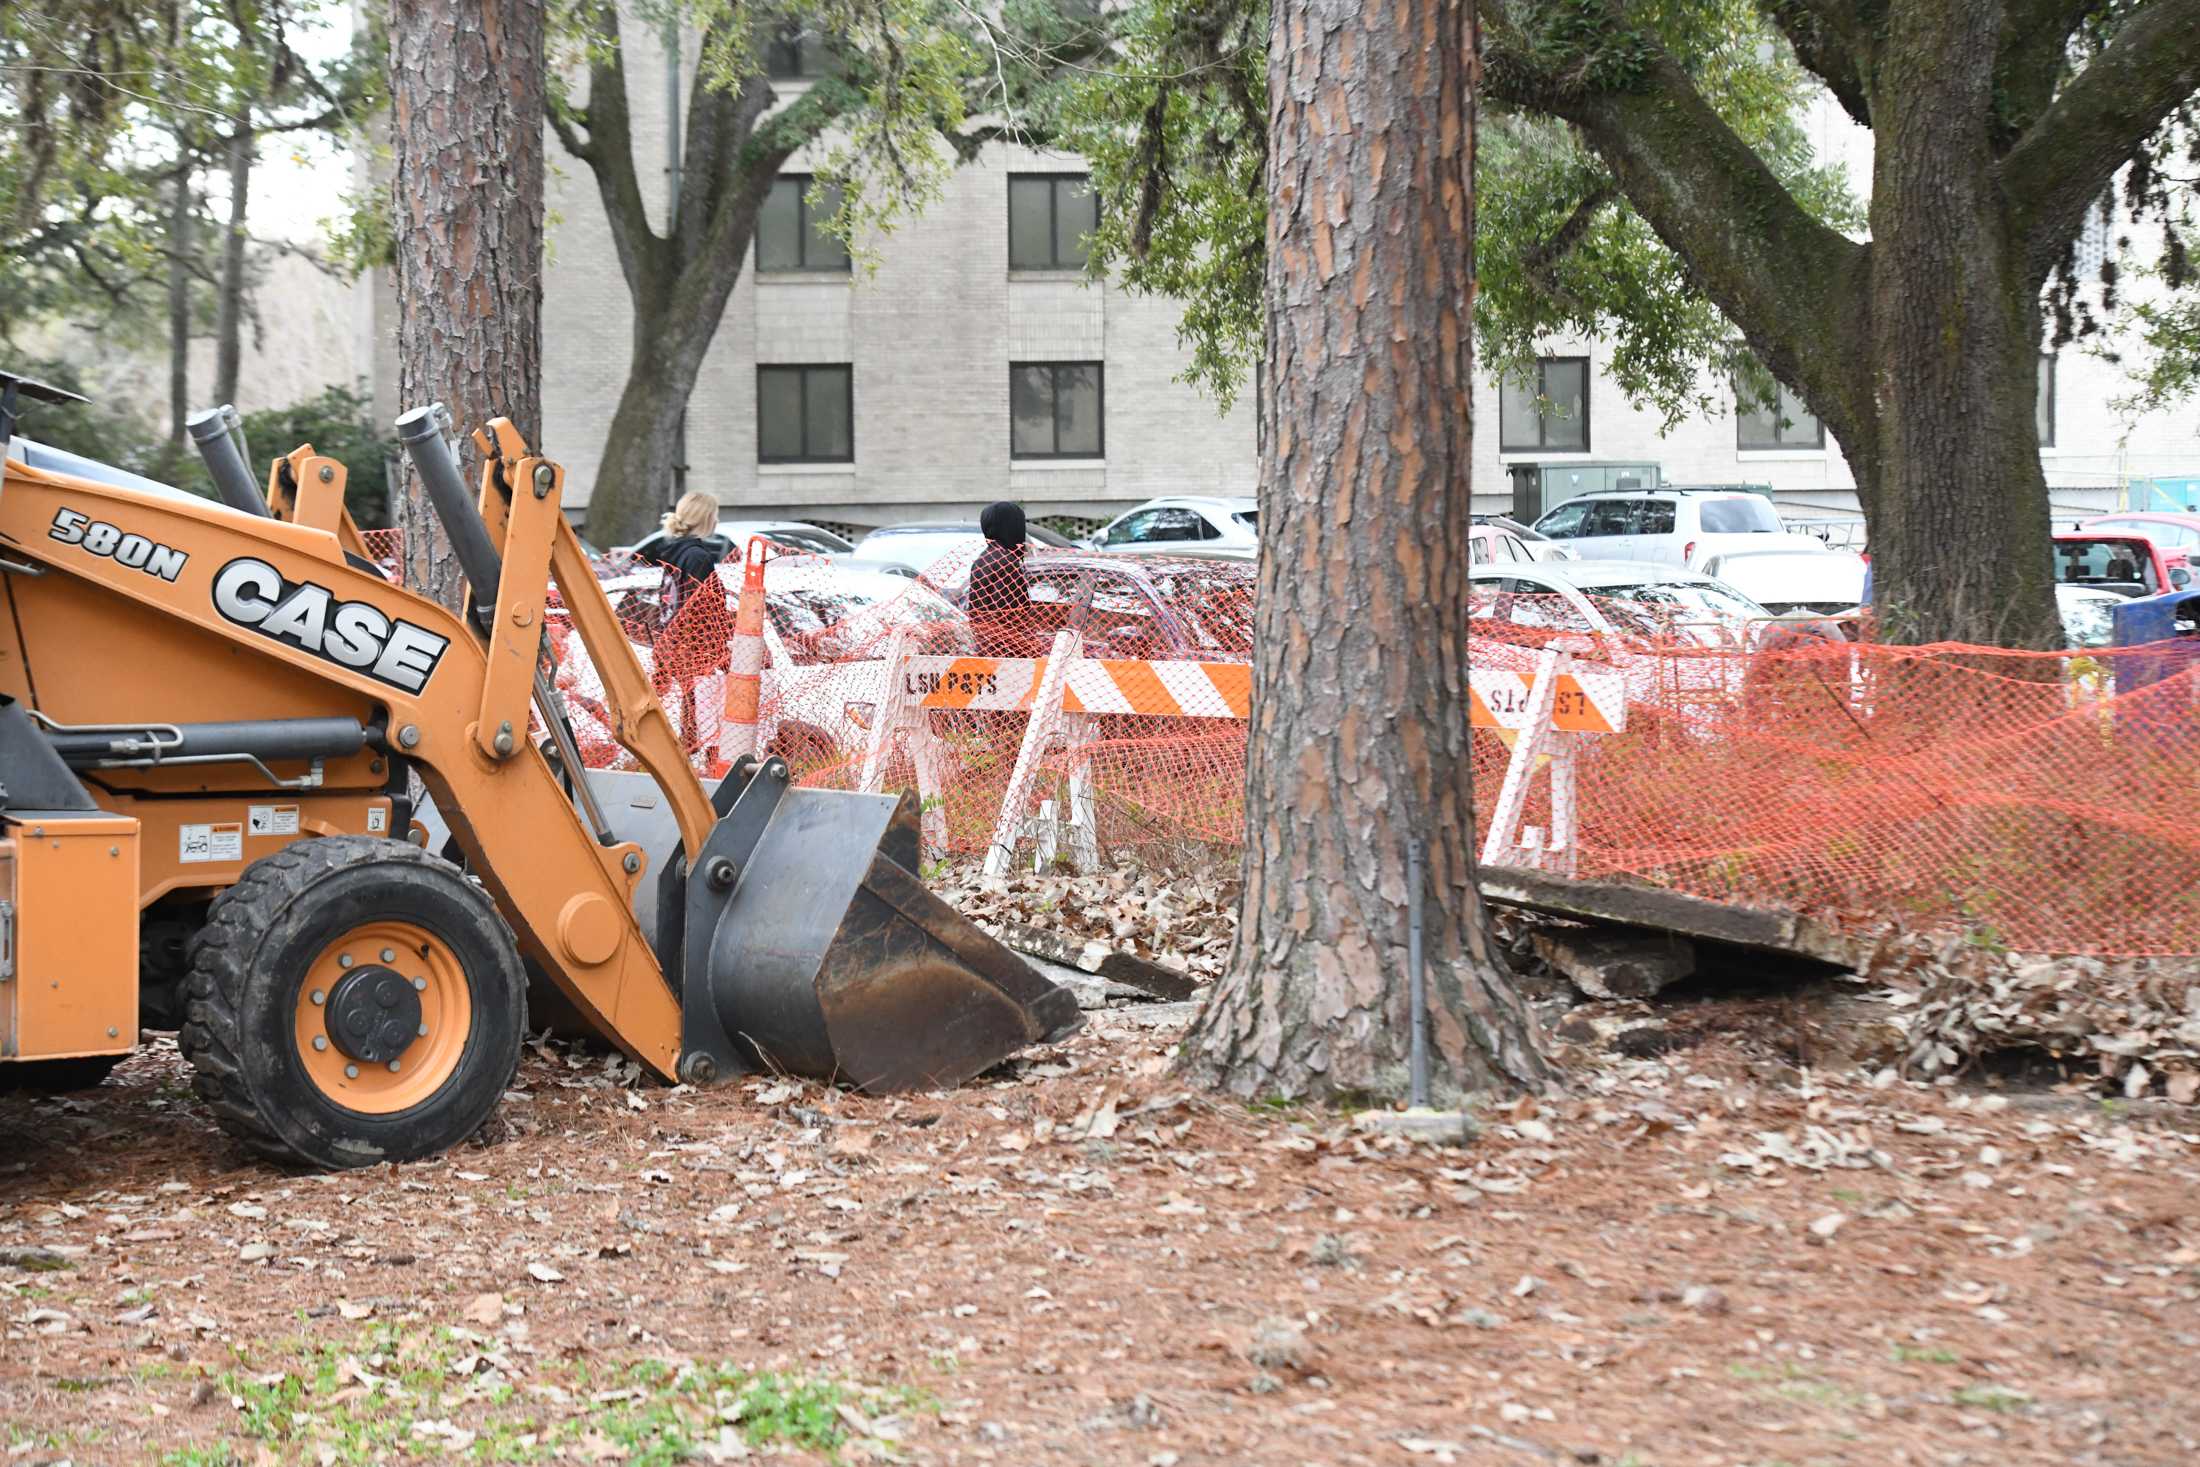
[1839, 532]
[2176, 535]
[920, 547]
[1489, 544]
[1672, 527]
[1540, 546]
[1185, 524]
[2172, 531]
[1629, 599]
[1794, 573]
[735, 533]
[1640, 618]
[2127, 564]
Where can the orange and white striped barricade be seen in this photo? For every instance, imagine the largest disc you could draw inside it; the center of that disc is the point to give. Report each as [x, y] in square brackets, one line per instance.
[1548, 712]
[899, 717]
[1047, 700]
[745, 660]
[1063, 693]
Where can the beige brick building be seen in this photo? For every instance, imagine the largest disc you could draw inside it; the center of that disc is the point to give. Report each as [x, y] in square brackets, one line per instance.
[927, 338]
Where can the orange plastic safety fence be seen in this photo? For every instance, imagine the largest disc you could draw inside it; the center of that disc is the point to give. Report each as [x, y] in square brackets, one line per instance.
[2037, 801]
[386, 548]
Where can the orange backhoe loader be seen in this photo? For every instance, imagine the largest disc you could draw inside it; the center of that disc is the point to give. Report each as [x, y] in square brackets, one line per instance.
[214, 718]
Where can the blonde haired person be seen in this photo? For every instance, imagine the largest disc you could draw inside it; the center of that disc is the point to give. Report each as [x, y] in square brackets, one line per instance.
[694, 628]
[694, 516]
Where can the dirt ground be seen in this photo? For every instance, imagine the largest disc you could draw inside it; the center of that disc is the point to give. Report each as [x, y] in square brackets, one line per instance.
[1702, 1257]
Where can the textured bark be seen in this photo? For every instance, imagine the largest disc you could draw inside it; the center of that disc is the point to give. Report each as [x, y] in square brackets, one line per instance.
[229, 308]
[466, 107]
[1953, 450]
[1359, 734]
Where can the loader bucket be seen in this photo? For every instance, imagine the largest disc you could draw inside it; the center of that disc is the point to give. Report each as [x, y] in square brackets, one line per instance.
[812, 948]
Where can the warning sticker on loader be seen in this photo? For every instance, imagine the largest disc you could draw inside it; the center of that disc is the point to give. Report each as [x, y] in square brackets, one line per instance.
[223, 842]
[271, 819]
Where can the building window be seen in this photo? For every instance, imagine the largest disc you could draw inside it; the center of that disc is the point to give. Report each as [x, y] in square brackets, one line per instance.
[1056, 410]
[2043, 409]
[790, 237]
[805, 415]
[796, 54]
[1780, 422]
[1548, 411]
[1049, 215]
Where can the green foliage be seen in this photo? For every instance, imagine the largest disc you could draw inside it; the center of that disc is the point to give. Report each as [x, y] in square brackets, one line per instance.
[1174, 128]
[1559, 252]
[1176, 134]
[338, 422]
[2165, 320]
[107, 109]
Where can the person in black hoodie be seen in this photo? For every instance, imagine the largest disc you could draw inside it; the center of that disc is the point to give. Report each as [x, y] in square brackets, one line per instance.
[1000, 590]
[694, 626]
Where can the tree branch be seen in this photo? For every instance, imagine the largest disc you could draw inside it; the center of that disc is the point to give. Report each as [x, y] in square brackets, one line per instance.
[1832, 42]
[2031, 62]
[2064, 160]
[1748, 244]
[1540, 264]
[609, 154]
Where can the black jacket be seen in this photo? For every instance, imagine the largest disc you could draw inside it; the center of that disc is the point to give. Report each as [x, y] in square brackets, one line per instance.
[700, 632]
[999, 585]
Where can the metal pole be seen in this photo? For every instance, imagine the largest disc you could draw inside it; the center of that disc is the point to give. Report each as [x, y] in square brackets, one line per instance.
[1417, 973]
[219, 434]
[672, 217]
[421, 433]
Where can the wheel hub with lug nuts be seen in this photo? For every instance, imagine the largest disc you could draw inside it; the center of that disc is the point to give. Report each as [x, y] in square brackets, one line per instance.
[373, 1014]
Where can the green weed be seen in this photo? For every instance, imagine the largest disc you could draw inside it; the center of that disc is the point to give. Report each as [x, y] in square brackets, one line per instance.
[1926, 1355]
[654, 1414]
[1991, 1398]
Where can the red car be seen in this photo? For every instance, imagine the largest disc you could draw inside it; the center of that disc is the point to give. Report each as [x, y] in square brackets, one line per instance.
[2177, 533]
[2127, 563]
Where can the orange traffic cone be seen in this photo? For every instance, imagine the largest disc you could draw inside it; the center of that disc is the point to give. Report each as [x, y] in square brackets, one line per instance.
[745, 669]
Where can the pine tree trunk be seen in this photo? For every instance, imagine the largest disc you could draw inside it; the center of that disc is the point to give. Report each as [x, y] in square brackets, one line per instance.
[1359, 734]
[229, 308]
[466, 109]
[1951, 457]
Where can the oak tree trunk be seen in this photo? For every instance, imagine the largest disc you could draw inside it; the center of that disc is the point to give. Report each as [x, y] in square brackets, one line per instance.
[1949, 470]
[634, 476]
[466, 108]
[1359, 734]
[674, 324]
[229, 305]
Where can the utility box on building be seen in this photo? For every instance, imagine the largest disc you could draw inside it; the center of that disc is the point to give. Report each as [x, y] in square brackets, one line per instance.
[1539, 488]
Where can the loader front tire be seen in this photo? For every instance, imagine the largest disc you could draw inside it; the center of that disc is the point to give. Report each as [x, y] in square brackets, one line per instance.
[353, 1000]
